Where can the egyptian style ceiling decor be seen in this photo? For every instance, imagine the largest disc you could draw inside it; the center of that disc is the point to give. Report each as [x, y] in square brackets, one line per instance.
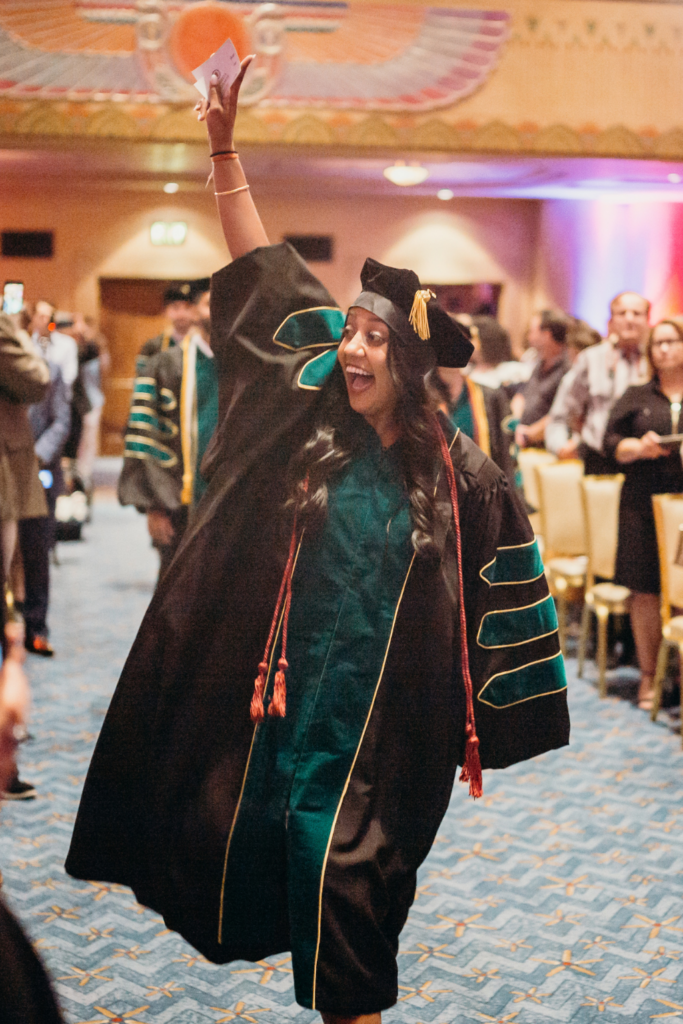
[566, 77]
[315, 54]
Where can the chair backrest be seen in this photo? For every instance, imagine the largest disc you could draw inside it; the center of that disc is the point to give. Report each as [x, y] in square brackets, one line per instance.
[559, 493]
[527, 460]
[601, 520]
[668, 509]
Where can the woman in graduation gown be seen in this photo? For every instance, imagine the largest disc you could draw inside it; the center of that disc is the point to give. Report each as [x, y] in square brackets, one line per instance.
[382, 561]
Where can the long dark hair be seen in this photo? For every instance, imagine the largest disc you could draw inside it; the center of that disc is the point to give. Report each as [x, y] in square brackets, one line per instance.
[338, 434]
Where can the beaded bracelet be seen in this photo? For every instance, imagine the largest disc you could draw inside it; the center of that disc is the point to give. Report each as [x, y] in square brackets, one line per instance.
[231, 191]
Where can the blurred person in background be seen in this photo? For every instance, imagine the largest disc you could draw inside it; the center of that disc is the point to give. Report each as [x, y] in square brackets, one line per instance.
[50, 420]
[25, 993]
[87, 402]
[638, 420]
[179, 311]
[93, 364]
[493, 364]
[600, 376]
[54, 344]
[24, 379]
[173, 415]
[547, 335]
[579, 337]
[477, 411]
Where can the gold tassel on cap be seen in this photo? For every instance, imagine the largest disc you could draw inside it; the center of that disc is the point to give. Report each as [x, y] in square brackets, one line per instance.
[418, 314]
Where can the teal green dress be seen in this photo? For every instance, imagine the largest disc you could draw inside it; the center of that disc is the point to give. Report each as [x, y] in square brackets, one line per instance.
[206, 389]
[346, 590]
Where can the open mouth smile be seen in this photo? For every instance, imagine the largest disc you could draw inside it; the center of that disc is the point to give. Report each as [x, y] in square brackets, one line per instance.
[359, 379]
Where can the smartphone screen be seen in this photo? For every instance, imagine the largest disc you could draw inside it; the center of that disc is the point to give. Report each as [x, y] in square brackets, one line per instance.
[13, 297]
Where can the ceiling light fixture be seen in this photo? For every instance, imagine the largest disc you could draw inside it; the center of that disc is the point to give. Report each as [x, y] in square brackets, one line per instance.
[674, 178]
[445, 194]
[404, 174]
[171, 187]
[164, 232]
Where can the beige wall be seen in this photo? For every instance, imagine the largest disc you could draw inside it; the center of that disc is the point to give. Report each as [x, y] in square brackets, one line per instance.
[105, 233]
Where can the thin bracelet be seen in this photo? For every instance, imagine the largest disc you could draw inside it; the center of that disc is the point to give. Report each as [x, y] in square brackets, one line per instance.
[222, 152]
[231, 191]
[224, 156]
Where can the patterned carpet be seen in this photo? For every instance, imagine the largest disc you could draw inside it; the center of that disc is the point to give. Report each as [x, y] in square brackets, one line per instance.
[557, 897]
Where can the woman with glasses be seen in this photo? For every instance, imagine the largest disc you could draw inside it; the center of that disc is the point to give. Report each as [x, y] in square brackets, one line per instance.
[642, 416]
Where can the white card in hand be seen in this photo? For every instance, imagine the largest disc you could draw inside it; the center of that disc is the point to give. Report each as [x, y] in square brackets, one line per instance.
[224, 62]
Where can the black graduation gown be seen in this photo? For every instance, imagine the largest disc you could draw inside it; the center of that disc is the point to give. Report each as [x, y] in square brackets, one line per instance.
[172, 779]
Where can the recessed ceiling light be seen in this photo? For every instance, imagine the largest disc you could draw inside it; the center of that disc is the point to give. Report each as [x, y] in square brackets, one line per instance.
[445, 194]
[405, 174]
[170, 187]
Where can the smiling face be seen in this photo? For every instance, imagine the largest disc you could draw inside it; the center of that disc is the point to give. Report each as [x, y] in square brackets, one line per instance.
[363, 356]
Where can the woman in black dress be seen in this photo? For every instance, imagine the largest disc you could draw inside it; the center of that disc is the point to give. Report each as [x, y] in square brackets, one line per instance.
[641, 417]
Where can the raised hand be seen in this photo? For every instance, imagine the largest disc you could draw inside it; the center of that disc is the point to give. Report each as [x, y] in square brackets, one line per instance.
[220, 112]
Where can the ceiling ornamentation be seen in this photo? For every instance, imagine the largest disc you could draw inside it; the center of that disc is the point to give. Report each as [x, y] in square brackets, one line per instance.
[22, 122]
[316, 54]
[557, 77]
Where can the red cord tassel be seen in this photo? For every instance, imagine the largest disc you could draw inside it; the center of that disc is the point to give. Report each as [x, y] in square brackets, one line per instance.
[256, 709]
[278, 704]
[471, 769]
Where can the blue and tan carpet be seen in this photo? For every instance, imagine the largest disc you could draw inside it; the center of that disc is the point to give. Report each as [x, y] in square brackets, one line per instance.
[557, 897]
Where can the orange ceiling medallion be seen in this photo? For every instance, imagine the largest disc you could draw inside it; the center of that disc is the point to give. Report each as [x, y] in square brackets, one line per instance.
[198, 31]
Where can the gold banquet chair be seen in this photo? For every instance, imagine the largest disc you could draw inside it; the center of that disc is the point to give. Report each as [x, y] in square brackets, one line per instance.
[527, 461]
[601, 518]
[562, 529]
[668, 509]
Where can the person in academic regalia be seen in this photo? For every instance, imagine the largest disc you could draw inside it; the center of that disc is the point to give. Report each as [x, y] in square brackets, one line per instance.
[172, 417]
[374, 571]
[480, 413]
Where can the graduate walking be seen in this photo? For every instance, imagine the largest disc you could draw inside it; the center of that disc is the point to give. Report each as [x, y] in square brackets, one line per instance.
[357, 608]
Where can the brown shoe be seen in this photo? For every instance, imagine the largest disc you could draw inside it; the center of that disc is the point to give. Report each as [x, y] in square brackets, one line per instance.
[40, 645]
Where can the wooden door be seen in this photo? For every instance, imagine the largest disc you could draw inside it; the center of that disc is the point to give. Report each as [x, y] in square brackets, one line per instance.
[131, 311]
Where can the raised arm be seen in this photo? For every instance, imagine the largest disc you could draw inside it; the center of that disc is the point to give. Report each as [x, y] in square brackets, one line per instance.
[241, 223]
